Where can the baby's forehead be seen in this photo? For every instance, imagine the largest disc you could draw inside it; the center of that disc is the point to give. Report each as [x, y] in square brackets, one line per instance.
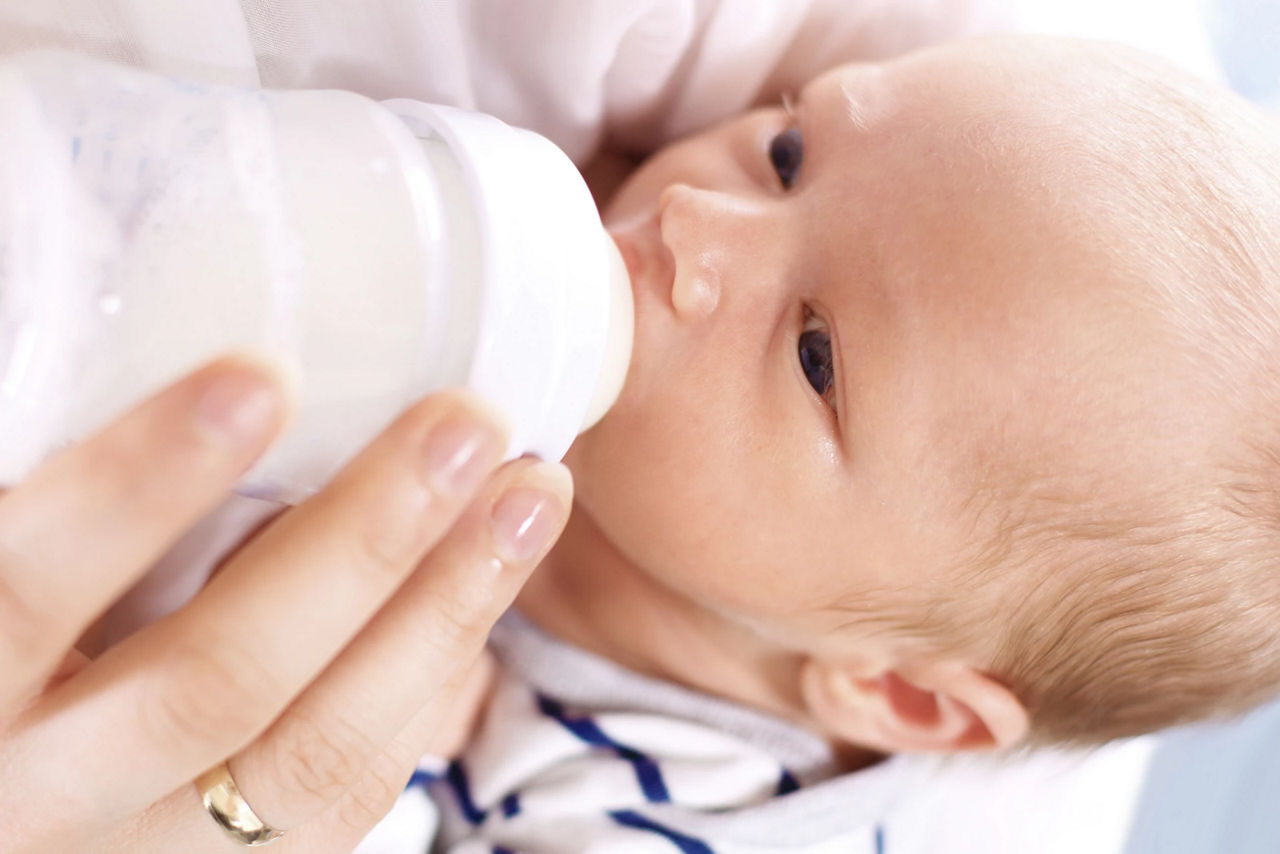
[1040, 220]
[1024, 98]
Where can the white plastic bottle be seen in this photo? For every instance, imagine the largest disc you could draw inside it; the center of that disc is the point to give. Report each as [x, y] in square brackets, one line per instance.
[376, 251]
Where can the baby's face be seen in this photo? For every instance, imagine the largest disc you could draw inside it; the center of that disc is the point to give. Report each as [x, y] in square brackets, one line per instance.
[848, 323]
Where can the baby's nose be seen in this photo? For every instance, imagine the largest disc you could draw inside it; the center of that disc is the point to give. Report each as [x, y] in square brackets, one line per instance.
[702, 229]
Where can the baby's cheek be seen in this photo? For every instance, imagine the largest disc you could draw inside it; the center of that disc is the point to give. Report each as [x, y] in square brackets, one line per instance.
[718, 547]
[681, 484]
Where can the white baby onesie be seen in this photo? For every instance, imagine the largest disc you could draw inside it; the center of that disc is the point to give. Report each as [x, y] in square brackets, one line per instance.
[577, 754]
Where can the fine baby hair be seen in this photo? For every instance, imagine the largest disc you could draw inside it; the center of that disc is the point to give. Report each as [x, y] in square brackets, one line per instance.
[1146, 595]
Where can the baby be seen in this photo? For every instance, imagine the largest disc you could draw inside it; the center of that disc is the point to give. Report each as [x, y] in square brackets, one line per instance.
[954, 416]
[955, 411]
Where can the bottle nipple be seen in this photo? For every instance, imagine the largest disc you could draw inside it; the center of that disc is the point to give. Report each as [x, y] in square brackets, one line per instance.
[618, 338]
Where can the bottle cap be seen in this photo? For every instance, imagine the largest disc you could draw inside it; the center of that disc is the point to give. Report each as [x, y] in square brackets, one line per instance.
[553, 312]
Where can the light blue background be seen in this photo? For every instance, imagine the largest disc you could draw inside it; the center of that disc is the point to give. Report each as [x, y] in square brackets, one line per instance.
[1246, 34]
[1213, 790]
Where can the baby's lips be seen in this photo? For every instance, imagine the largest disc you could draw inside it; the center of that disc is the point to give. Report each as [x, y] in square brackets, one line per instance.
[624, 238]
[641, 256]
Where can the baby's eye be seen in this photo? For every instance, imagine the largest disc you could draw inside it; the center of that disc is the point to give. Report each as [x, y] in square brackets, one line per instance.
[815, 359]
[786, 151]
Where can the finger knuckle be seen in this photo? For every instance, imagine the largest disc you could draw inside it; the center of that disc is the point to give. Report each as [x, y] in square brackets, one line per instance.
[389, 540]
[138, 466]
[315, 762]
[127, 468]
[371, 798]
[449, 625]
[202, 696]
[366, 803]
[24, 627]
[382, 551]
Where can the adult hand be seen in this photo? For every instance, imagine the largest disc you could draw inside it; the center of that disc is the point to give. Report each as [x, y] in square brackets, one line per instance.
[295, 660]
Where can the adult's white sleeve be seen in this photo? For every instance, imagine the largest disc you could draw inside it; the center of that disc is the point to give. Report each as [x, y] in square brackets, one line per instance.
[639, 72]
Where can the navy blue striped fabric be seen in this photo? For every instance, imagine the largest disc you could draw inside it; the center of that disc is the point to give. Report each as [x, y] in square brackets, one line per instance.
[686, 844]
[421, 778]
[500, 849]
[457, 777]
[647, 772]
[511, 805]
[787, 783]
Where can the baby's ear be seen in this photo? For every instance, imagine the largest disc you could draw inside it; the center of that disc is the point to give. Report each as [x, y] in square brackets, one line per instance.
[933, 707]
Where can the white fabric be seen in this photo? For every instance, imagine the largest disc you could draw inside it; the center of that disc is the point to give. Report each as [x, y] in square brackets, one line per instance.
[642, 71]
[720, 766]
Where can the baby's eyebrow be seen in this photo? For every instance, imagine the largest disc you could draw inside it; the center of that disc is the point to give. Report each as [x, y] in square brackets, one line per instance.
[854, 108]
[864, 97]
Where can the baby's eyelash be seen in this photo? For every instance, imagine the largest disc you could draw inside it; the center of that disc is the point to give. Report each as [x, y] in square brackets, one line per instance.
[788, 106]
[814, 353]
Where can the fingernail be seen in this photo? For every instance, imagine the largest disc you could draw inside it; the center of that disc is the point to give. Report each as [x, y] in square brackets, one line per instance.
[240, 403]
[524, 521]
[460, 452]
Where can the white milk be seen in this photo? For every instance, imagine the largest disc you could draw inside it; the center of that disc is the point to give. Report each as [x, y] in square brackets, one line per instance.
[376, 252]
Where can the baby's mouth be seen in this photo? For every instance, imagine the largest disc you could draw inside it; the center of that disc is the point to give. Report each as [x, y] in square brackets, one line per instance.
[630, 256]
[641, 248]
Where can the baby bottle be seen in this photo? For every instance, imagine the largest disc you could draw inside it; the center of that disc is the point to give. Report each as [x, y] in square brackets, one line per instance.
[374, 251]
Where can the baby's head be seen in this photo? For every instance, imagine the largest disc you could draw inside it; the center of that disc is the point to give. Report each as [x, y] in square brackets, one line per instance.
[955, 405]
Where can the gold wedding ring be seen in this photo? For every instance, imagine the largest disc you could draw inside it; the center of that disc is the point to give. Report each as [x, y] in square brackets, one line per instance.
[230, 810]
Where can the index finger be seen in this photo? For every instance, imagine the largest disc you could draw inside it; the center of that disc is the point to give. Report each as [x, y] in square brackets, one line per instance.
[86, 524]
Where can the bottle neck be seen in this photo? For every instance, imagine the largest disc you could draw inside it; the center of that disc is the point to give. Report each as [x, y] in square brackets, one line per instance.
[555, 310]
